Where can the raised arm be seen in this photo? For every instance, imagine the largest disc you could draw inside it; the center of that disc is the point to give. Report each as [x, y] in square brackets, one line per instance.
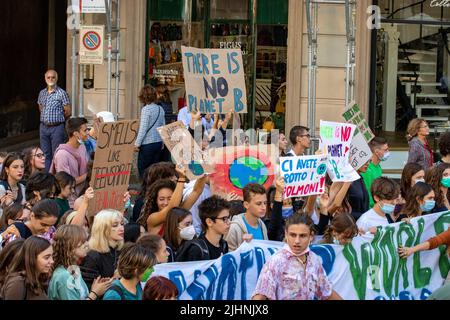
[195, 194]
[157, 218]
[340, 196]
[80, 217]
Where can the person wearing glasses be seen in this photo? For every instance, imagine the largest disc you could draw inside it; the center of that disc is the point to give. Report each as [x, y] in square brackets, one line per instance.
[34, 161]
[419, 150]
[72, 157]
[300, 140]
[54, 106]
[214, 214]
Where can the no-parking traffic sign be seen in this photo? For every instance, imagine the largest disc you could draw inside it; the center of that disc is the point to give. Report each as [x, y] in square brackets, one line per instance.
[91, 44]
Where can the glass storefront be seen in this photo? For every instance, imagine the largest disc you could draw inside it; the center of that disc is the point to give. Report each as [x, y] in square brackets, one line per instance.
[261, 35]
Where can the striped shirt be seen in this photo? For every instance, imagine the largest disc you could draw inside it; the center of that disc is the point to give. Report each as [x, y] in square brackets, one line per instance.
[53, 105]
[152, 116]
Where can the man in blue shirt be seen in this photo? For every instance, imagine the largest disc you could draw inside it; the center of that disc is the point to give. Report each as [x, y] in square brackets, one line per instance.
[54, 105]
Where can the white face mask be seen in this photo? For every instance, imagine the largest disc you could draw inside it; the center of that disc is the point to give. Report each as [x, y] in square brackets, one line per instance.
[187, 233]
[336, 241]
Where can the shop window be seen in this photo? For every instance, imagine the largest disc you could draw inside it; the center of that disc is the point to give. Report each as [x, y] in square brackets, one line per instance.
[229, 10]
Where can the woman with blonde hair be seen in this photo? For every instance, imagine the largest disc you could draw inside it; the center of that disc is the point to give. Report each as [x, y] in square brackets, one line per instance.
[70, 247]
[419, 149]
[105, 244]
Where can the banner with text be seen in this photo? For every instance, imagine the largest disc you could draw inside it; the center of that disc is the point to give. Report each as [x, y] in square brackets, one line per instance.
[335, 141]
[369, 268]
[303, 176]
[360, 151]
[184, 150]
[112, 164]
[214, 79]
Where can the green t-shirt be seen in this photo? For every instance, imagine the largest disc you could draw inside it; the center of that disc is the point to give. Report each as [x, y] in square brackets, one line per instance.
[373, 172]
[127, 295]
[66, 286]
[63, 205]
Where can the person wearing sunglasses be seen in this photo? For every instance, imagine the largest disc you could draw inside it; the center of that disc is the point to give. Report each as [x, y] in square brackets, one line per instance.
[300, 139]
[34, 161]
[214, 214]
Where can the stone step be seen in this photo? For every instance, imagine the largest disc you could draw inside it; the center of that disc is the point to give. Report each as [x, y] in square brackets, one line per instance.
[420, 73]
[417, 61]
[431, 95]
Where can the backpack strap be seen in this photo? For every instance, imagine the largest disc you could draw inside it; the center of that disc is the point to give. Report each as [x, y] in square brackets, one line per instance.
[116, 288]
[203, 248]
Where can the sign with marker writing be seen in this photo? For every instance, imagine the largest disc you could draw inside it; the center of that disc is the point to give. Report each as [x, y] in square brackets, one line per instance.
[354, 115]
[185, 150]
[112, 164]
[360, 151]
[303, 176]
[335, 141]
[214, 80]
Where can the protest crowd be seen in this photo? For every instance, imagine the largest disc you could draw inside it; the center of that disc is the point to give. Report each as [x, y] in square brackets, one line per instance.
[59, 242]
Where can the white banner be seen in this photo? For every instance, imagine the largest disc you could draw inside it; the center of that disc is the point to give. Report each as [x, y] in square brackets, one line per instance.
[367, 269]
[303, 176]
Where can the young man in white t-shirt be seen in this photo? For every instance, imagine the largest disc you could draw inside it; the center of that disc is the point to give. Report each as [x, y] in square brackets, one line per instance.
[385, 193]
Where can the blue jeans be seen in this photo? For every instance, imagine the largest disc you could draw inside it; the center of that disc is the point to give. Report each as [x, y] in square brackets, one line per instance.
[149, 154]
[51, 138]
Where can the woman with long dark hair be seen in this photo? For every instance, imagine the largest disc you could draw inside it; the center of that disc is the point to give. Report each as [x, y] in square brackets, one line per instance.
[420, 201]
[438, 178]
[30, 271]
[11, 190]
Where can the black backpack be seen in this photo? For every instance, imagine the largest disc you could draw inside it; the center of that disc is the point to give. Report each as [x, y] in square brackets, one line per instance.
[182, 252]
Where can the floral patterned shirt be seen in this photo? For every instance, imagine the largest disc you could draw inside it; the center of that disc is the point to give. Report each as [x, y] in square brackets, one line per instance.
[285, 277]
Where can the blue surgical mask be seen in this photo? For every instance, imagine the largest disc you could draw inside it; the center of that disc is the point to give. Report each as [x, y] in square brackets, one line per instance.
[287, 212]
[428, 205]
[386, 156]
[387, 208]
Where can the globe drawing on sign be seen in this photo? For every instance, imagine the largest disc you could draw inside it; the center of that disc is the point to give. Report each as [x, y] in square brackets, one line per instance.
[196, 168]
[247, 170]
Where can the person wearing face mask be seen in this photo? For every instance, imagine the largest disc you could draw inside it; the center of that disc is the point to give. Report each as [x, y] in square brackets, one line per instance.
[178, 229]
[420, 201]
[438, 177]
[54, 105]
[72, 157]
[294, 272]
[385, 192]
[380, 153]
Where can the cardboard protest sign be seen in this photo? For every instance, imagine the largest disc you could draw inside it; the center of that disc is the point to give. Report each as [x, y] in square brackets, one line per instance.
[360, 151]
[112, 164]
[237, 166]
[184, 150]
[354, 115]
[214, 79]
[303, 176]
[335, 141]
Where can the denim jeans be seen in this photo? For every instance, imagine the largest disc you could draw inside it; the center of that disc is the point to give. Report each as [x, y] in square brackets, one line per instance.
[51, 138]
[149, 154]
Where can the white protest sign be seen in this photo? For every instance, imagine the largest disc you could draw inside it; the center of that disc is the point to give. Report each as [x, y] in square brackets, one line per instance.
[214, 79]
[360, 151]
[92, 6]
[303, 176]
[335, 141]
[91, 44]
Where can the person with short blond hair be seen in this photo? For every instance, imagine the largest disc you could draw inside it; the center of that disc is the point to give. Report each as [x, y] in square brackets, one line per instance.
[105, 244]
[419, 150]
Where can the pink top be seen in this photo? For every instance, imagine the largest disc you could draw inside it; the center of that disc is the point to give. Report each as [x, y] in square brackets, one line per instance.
[72, 161]
[284, 277]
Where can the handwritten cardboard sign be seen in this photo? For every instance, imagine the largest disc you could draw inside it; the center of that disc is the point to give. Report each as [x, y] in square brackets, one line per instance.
[214, 79]
[112, 164]
[184, 150]
[335, 139]
[354, 115]
[303, 176]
